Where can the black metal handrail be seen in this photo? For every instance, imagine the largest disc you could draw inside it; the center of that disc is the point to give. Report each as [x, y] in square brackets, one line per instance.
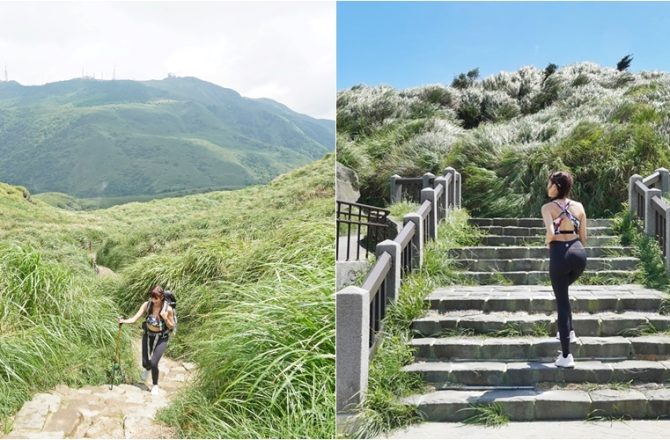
[362, 221]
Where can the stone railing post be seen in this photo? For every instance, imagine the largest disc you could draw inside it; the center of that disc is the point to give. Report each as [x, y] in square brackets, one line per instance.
[393, 277]
[426, 180]
[457, 190]
[417, 240]
[352, 342]
[664, 179]
[649, 220]
[429, 194]
[396, 189]
[632, 193]
[452, 186]
[442, 203]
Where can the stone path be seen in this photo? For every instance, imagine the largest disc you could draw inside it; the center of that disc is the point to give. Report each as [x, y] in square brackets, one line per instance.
[638, 429]
[495, 343]
[127, 411]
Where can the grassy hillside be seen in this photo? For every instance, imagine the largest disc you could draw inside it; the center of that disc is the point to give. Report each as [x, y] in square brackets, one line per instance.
[253, 271]
[91, 138]
[505, 133]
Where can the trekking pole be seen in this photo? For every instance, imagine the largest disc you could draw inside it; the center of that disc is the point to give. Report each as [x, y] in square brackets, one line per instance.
[116, 362]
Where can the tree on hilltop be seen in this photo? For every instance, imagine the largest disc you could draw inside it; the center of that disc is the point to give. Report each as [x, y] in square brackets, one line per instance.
[465, 80]
[624, 63]
[549, 70]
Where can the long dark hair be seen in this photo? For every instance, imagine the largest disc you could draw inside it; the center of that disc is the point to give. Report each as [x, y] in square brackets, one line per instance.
[563, 182]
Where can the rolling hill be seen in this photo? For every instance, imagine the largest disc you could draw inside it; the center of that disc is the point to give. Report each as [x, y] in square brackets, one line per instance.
[92, 138]
[505, 133]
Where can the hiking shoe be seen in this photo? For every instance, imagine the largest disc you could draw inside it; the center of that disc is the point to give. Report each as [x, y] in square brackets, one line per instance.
[144, 375]
[155, 391]
[565, 362]
[573, 337]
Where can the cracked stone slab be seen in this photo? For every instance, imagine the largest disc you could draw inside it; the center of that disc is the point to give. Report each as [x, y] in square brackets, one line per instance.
[33, 415]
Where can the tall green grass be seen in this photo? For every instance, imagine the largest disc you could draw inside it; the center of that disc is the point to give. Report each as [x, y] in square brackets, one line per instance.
[253, 271]
[54, 328]
[382, 411]
[653, 272]
[506, 133]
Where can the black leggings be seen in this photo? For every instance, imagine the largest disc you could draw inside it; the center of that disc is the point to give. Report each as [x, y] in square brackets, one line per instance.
[154, 346]
[567, 261]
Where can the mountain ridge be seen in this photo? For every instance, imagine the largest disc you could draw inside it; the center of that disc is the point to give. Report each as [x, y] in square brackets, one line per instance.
[175, 134]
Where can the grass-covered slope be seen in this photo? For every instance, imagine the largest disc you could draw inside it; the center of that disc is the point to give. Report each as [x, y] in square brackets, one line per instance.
[253, 271]
[92, 138]
[55, 325]
[505, 133]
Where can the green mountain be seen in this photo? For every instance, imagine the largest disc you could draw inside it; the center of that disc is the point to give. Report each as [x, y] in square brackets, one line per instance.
[92, 138]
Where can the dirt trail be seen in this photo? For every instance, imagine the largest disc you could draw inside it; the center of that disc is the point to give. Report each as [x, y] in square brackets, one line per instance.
[126, 411]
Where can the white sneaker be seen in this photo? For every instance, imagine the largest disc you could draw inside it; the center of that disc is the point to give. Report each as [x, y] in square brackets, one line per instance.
[573, 337]
[565, 362]
[144, 375]
[155, 391]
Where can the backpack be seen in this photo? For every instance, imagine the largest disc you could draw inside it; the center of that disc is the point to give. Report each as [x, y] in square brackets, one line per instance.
[171, 300]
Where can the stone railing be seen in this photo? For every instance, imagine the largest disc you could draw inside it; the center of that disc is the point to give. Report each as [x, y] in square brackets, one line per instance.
[646, 202]
[409, 188]
[361, 310]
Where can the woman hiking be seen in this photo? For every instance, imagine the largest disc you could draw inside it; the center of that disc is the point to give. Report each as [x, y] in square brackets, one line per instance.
[565, 221]
[157, 326]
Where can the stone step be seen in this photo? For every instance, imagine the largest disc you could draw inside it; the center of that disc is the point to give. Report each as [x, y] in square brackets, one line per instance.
[541, 264]
[530, 222]
[540, 299]
[486, 252]
[511, 240]
[18, 434]
[535, 231]
[536, 404]
[542, 277]
[540, 348]
[585, 324]
[449, 374]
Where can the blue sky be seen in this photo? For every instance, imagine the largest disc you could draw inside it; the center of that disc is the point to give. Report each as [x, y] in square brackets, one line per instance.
[406, 44]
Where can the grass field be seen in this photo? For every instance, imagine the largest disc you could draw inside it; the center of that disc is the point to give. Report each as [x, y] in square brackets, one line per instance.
[253, 271]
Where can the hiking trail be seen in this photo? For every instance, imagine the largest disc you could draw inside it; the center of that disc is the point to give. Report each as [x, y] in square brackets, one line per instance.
[95, 411]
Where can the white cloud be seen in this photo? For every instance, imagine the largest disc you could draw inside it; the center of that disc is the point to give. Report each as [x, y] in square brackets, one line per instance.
[279, 50]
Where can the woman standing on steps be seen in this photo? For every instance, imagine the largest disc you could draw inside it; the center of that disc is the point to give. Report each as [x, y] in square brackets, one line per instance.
[565, 221]
[157, 326]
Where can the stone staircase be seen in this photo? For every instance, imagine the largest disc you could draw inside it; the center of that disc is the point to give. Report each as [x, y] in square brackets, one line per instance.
[491, 343]
[513, 251]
